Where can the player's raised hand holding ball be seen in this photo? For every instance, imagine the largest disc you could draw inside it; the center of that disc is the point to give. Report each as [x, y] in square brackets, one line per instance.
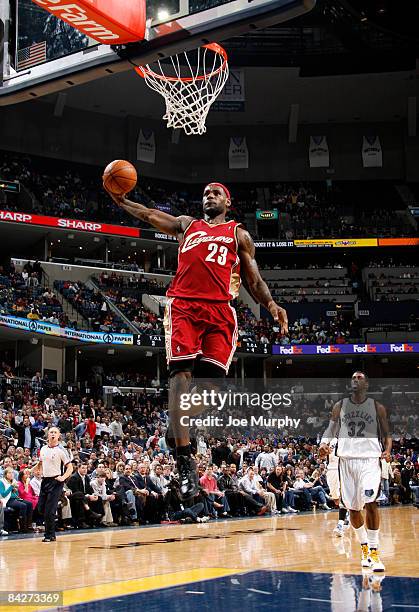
[119, 178]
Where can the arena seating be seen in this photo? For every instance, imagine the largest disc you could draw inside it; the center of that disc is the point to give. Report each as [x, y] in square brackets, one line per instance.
[27, 298]
[311, 285]
[131, 433]
[306, 211]
[392, 284]
[92, 306]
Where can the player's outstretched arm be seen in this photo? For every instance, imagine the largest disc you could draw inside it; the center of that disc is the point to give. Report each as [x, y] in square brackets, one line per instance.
[257, 286]
[174, 226]
[385, 431]
[331, 432]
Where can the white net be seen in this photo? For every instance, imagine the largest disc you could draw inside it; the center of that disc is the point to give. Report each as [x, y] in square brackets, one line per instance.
[189, 88]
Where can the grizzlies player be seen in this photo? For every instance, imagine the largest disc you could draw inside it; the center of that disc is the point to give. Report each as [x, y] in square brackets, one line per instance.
[360, 424]
[332, 477]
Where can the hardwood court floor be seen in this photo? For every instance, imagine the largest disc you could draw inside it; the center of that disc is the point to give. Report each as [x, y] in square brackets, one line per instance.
[105, 564]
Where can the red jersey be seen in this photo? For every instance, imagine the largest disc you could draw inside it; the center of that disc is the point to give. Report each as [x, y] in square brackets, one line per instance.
[208, 263]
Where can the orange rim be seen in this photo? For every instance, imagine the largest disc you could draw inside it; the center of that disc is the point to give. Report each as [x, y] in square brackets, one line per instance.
[215, 47]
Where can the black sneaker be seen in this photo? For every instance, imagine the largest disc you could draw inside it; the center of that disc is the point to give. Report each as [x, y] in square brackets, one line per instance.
[188, 477]
[51, 539]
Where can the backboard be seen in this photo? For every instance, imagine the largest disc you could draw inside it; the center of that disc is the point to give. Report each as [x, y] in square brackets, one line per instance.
[41, 54]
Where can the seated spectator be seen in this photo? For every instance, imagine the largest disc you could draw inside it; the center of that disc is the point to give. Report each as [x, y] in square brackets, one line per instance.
[236, 498]
[99, 489]
[397, 489]
[134, 496]
[278, 485]
[25, 489]
[267, 496]
[9, 494]
[216, 498]
[249, 485]
[179, 510]
[64, 510]
[82, 498]
[316, 493]
[3, 532]
[407, 476]
[8, 463]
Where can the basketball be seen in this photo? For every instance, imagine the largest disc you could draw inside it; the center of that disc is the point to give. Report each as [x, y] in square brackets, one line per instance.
[120, 177]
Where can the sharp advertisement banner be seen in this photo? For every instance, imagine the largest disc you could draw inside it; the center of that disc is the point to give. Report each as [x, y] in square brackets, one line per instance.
[69, 224]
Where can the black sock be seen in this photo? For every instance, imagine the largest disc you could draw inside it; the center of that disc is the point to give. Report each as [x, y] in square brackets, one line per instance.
[184, 450]
[342, 514]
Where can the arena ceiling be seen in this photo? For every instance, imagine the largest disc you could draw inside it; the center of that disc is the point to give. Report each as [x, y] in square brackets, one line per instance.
[380, 97]
[345, 61]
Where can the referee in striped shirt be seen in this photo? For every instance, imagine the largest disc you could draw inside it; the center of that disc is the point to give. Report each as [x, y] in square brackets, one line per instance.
[56, 468]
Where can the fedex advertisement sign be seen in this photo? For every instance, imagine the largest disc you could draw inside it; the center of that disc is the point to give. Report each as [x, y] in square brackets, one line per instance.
[365, 348]
[111, 22]
[345, 349]
[290, 350]
[402, 348]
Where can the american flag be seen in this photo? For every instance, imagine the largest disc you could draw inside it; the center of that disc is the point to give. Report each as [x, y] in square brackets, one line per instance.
[31, 56]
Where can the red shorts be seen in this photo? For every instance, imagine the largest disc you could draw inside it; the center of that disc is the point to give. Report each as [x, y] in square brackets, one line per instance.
[195, 327]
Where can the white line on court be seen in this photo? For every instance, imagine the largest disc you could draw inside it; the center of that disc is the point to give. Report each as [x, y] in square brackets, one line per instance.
[327, 600]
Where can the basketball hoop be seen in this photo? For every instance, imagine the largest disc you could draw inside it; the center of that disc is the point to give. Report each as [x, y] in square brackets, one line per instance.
[189, 85]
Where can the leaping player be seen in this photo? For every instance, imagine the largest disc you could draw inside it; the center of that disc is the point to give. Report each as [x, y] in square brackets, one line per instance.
[200, 324]
[360, 424]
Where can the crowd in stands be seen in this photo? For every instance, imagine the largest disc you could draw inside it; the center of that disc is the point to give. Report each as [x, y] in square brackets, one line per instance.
[23, 294]
[114, 303]
[126, 293]
[143, 319]
[140, 284]
[393, 284]
[321, 290]
[92, 307]
[301, 331]
[305, 211]
[391, 262]
[129, 378]
[329, 265]
[126, 475]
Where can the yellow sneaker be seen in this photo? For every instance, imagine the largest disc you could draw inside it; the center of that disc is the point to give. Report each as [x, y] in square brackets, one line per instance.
[365, 559]
[375, 562]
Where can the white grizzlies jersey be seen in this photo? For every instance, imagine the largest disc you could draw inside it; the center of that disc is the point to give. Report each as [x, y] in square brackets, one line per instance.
[358, 432]
[332, 458]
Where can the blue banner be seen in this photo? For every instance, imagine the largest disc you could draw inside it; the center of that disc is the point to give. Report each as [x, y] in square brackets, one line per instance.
[43, 327]
[345, 349]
